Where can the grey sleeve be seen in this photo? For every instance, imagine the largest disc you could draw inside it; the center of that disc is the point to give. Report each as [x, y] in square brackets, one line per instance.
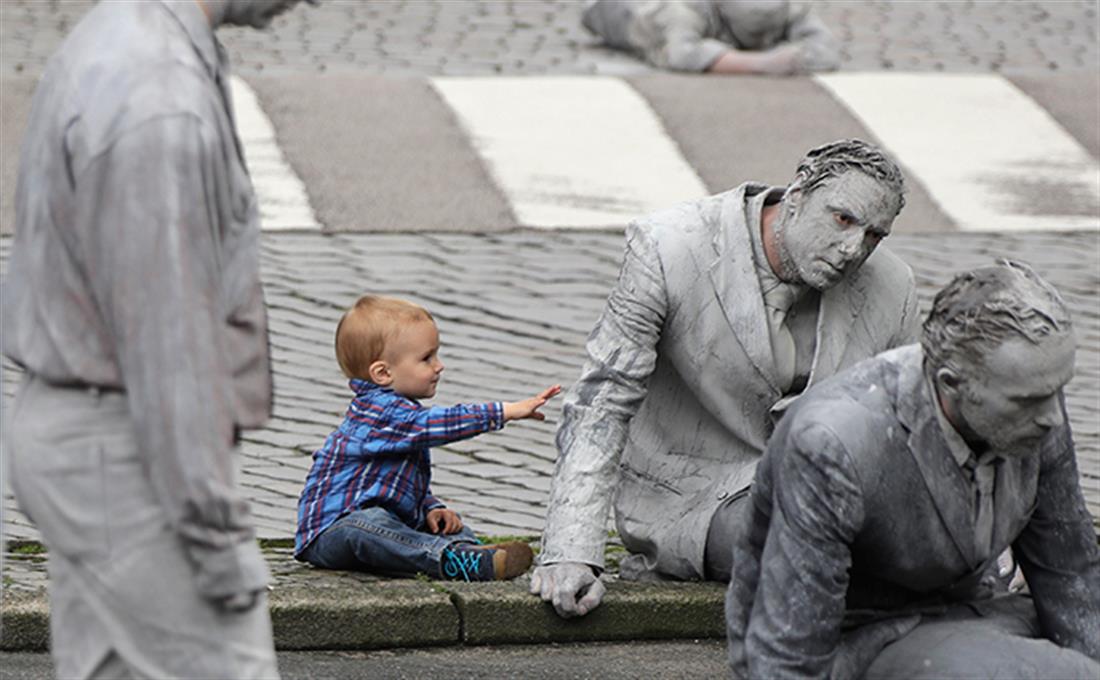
[673, 35]
[1059, 553]
[794, 627]
[818, 47]
[686, 52]
[622, 353]
[154, 252]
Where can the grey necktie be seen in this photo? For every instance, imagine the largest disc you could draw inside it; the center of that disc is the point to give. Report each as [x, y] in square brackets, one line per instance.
[777, 303]
[983, 477]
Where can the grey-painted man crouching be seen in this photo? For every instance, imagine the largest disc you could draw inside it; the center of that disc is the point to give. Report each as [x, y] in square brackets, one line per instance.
[888, 491]
[133, 304]
[725, 310]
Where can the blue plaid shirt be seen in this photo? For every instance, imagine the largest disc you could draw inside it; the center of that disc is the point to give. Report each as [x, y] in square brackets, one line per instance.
[379, 456]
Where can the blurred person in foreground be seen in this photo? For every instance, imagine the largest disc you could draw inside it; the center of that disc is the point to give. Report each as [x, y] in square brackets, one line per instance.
[766, 37]
[887, 493]
[726, 309]
[133, 304]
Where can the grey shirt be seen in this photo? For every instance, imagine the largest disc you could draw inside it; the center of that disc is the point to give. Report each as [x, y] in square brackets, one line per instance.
[135, 264]
[980, 473]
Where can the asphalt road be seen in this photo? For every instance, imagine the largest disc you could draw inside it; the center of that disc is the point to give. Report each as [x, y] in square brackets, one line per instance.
[612, 661]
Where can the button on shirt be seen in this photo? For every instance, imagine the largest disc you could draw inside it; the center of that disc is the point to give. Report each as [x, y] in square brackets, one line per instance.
[135, 264]
[380, 456]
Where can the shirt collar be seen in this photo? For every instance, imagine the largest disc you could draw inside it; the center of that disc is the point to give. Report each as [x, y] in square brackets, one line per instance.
[198, 29]
[768, 280]
[363, 386]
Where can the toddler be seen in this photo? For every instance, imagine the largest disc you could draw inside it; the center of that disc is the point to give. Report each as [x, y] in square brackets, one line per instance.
[367, 503]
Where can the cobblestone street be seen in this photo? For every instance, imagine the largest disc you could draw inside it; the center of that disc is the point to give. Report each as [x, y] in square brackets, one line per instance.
[514, 306]
[513, 311]
[486, 37]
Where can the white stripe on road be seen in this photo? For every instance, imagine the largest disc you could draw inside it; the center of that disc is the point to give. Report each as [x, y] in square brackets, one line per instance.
[987, 153]
[572, 151]
[282, 197]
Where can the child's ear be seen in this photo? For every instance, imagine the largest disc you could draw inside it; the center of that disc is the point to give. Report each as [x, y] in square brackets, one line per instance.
[379, 373]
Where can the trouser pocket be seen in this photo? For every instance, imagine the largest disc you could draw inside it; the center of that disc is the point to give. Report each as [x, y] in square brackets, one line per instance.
[63, 494]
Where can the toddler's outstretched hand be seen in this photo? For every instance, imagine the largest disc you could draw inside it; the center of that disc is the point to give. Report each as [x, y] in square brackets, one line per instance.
[529, 408]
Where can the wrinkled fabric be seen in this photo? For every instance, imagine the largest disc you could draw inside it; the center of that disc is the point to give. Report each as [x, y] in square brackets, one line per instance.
[378, 541]
[861, 523]
[135, 264]
[690, 35]
[123, 593]
[380, 455]
[1000, 641]
[674, 402]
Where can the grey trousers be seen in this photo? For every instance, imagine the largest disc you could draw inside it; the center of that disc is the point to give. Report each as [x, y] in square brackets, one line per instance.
[718, 554]
[123, 601]
[989, 639]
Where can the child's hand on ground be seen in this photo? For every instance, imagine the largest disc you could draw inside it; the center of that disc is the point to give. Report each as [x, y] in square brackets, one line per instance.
[443, 521]
[529, 408]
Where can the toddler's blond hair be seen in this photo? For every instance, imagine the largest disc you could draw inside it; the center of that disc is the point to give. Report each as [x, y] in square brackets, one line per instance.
[365, 330]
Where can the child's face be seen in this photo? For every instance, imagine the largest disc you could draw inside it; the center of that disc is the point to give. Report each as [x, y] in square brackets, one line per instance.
[414, 364]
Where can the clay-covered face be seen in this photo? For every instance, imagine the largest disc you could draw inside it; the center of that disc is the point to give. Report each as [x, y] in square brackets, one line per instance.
[827, 233]
[1013, 399]
[255, 13]
[755, 24]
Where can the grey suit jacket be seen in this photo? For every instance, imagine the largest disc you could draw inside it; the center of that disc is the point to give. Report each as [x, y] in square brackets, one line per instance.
[680, 381]
[859, 514]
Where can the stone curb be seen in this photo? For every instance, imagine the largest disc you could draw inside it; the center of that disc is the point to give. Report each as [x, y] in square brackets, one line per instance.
[24, 622]
[496, 613]
[389, 614]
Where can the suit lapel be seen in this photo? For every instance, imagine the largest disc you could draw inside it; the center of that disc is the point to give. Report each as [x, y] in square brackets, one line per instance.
[942, 476]
[733, 275]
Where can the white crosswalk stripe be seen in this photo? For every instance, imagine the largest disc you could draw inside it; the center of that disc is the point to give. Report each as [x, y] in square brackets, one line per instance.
[590, 152]
[572, 151]
[987, 153]
[284, 203]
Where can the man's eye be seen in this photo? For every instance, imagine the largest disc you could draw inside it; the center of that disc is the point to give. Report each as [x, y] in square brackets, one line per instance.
[843, 219]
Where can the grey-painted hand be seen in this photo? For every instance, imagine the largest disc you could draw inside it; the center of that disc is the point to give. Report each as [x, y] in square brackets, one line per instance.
[572, 587]
[239, 602]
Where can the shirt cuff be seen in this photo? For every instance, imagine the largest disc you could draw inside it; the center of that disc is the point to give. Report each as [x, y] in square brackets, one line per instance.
[223, 572]
[496, 415]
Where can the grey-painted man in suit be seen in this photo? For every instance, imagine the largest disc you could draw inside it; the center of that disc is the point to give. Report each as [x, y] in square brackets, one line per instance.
[771, 37]
[133, 304]
[887, 491]
[725, 309]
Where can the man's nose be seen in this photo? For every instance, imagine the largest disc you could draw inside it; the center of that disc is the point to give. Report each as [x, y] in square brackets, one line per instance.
[852, 243]
[1051, 415]
[439, 366]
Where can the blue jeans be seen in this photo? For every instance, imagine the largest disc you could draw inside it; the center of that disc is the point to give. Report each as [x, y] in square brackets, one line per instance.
[376, 540]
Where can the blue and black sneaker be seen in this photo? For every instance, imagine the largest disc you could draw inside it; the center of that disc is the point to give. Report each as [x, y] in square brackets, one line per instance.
[497, 562]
